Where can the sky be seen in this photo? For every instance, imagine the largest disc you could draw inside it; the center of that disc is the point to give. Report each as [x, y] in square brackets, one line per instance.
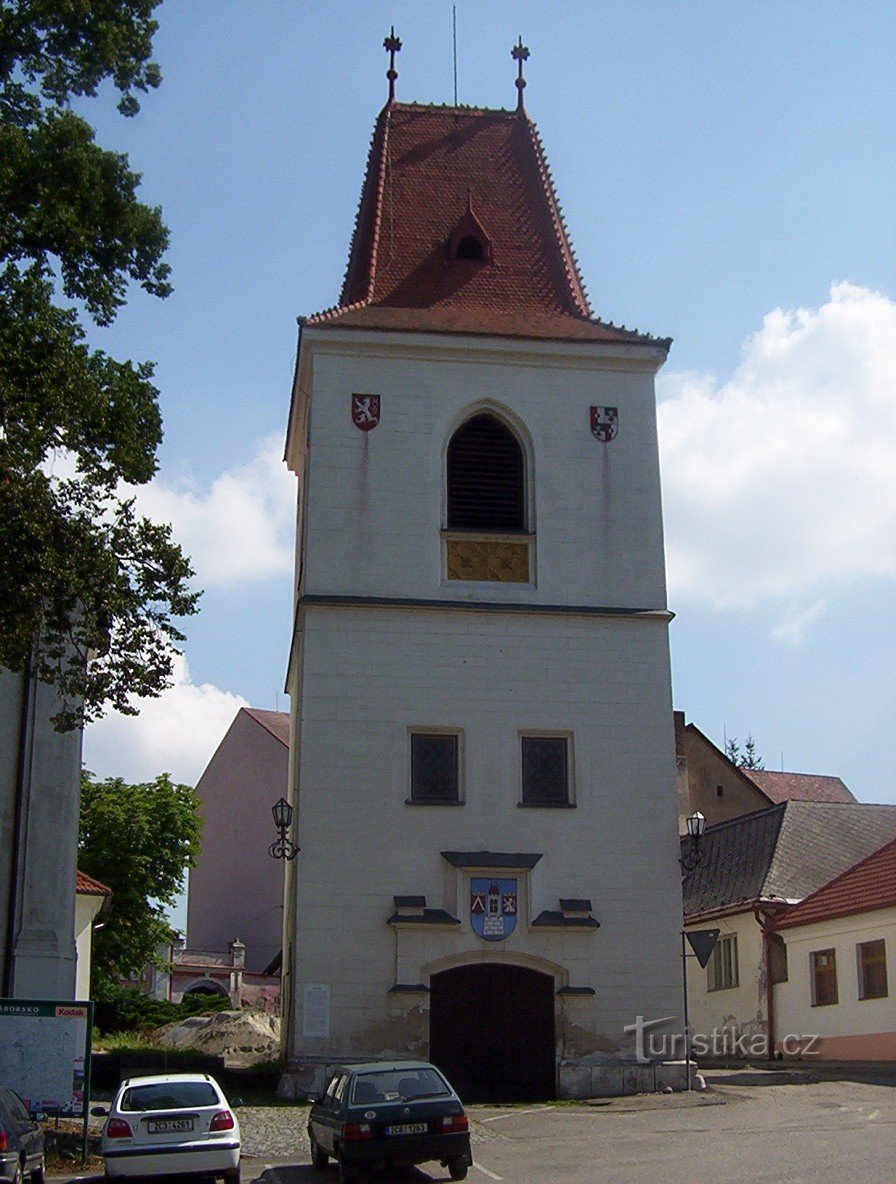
[728, 178]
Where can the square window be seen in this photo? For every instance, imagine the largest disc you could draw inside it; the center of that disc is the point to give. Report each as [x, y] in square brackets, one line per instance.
[545, 770]
[872, 958]
[722, 973]
[434, 768]
[824, 978]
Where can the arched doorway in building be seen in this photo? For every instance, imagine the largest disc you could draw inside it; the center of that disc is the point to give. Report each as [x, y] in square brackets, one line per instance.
[491, 1032]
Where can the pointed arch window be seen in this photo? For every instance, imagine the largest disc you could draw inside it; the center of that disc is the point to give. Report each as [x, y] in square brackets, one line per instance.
[486, 477]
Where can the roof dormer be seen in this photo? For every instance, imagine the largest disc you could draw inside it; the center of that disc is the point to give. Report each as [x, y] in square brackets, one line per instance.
[469, 240]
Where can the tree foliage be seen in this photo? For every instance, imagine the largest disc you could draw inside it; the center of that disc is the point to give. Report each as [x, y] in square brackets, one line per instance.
[746, 758]
[79, 569]
[138, 840]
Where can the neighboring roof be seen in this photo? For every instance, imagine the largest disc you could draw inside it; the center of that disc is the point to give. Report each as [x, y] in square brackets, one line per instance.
[867, 885]
[434, 172]
[783, 853]
[87, 886]
[276, 722]
[802, 787]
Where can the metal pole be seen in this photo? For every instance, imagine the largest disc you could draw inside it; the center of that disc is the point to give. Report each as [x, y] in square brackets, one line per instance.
[687, 1027]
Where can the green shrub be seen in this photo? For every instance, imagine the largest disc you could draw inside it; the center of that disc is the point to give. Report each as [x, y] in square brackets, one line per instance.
[126, 1009]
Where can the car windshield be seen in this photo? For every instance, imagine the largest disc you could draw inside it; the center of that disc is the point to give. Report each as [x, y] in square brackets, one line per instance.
[394, 1085]
[169, 1095]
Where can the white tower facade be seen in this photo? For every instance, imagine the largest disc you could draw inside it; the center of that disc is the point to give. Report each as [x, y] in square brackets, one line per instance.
[482, 750]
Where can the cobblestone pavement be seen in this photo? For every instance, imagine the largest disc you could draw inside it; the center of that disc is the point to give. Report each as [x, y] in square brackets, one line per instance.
[279, 1132]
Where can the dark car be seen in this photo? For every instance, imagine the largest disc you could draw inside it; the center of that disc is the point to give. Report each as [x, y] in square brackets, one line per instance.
[21, 1141]
[383, 1114]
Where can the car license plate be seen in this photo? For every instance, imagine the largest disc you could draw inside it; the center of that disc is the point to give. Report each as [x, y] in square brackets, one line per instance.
[408, 1128]
[164, 1126]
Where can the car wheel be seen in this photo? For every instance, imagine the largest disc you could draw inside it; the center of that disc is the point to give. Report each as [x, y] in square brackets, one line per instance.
[347, 1174]
[319, 1157]
[457, 1169]
[37, 1174]
[232, 1177]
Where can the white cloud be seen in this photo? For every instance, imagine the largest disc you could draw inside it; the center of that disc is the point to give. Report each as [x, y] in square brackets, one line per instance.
[242, 528]
[176, 733]
[794, 624]
[781, 481]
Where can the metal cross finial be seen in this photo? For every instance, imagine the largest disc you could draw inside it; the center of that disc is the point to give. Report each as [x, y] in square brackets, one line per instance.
[392, 44]
[520, 53]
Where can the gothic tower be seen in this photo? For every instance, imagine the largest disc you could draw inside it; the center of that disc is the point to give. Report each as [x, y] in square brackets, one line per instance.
[483, 760]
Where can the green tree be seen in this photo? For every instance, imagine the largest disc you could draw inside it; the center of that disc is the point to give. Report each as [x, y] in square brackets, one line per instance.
[138, 840]
[748, 758]
[79, 569]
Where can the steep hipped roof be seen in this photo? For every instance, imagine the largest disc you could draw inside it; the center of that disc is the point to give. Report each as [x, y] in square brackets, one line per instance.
[276, 722]
[434, 174]
[803, 787]
[869, 884]
[783, 853]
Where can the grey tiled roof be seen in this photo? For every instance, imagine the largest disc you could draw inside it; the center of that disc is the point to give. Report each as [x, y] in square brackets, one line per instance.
[783, 853]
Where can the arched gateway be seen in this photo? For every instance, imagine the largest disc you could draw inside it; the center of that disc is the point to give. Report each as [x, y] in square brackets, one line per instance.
[491, 1031]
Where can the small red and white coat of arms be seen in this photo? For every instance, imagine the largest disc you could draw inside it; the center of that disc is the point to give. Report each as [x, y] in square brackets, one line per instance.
[365, 411]
[604, 423]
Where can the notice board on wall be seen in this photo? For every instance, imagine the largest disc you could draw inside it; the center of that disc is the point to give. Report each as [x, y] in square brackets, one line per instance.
[45, 1047]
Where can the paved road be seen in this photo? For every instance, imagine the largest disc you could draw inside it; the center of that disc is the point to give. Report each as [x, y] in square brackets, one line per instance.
[824, 1133]
[738, 1132]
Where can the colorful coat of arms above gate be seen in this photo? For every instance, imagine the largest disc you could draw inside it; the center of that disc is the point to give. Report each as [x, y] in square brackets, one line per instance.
[493, 908]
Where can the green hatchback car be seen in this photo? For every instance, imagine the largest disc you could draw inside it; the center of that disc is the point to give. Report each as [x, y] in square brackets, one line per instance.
[382, 1114]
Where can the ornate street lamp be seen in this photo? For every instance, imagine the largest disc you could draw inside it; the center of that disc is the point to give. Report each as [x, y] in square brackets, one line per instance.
[690, 859]
[282, 848]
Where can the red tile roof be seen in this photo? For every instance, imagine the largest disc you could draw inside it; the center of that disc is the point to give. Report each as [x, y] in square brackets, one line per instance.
[869, 884]
[434, 173]
[88, 886]
[799, 787]
[276, 722]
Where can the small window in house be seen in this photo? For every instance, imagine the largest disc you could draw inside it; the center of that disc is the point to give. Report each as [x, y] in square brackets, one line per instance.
[545, 770]
[470, 247]
[722, 972]
[434, 768]
[872, 957]
[720, 791]
[824, 977]
[486, 477]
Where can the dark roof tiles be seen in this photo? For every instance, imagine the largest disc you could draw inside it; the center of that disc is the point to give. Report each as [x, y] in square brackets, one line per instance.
[782, 853]
[867, 885]
[275, 722]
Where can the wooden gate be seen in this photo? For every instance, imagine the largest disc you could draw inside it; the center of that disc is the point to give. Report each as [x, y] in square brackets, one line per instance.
[491, 1032]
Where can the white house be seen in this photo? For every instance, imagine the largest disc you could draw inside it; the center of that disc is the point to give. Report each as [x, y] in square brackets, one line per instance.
[90, 899]
[836, 1000]
[753, 870]
[482, 761]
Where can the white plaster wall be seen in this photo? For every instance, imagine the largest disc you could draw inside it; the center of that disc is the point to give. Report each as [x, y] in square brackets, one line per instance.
[236, 889]
[376, 499]
[740, 1009]
[851, 1016]
[86, 909]
[371, 674]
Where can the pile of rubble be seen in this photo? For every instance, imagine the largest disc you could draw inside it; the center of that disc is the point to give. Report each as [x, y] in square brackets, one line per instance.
[242, 1038]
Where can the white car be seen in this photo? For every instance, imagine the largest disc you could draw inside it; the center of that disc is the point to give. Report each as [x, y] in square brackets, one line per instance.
[170, 1124]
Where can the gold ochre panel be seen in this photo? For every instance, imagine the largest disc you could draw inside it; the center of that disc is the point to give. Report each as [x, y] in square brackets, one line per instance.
[486, 559]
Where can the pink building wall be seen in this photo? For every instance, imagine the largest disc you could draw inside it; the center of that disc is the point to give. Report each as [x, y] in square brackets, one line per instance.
[236, 889]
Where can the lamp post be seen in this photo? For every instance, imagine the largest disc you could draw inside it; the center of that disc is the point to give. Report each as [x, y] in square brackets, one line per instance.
[282, 848]
[696, 824]
[690, 860]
